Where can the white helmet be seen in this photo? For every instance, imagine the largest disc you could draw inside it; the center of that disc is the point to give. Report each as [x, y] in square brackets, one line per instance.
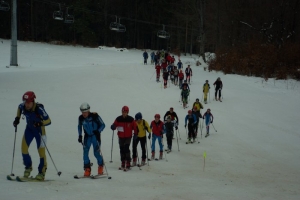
[85, 107]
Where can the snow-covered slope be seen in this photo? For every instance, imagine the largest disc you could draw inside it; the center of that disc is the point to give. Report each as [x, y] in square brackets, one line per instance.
[253, 155]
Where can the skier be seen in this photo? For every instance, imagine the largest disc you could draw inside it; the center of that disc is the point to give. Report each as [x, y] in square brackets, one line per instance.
[206, 88]
[157, 68]
[157, 127]
[218, 87]
[169, 128]
[165, 77]
[179, 64]
[198, 106]
[172, 74]
[36, 119]
[125, 125]
[152, 57]
[145, 55]
[192, 121]
[142, 126]
[184, 96]
[173, 60]
[209, 118]
[176, 72]
[185, 85]
[181, 77]
[188, 74]
[164, 65]
[92, 125]
[173, 115]
[198, 116]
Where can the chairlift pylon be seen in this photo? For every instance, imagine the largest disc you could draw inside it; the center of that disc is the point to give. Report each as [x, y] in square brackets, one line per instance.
[69, 19]
[4, 6]
[117, 26]
[58, 15]
[163, 34]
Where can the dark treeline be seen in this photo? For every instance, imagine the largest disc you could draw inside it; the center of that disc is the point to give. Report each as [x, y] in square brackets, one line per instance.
[227, 27]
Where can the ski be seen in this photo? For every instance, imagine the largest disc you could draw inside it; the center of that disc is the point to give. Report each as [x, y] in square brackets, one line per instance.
[80, 177]
[206, 135]
[98, 176]
[10, 178]
[30, 179]
[124, 169]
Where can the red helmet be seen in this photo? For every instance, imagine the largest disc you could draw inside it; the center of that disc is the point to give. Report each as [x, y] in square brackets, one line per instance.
[157, 116]
[28, 96]
[190, 112]
[125, 109]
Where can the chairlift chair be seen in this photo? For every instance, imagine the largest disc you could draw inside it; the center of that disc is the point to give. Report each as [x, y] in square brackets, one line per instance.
[163, 34]
[58, 15]
[69, 19]
[116, 26]
[4, 6]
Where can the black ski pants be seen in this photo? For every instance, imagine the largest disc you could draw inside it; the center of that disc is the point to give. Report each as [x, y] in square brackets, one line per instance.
[142, 141]
[124, 144]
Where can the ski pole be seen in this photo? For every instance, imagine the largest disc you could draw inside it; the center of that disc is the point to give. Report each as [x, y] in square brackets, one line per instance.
[202, 127]
[112, 143]
[179, 135]
[186, 132]
[58, 172]
[177, 140]
[209, 95]
[147, 152]
[152, 75]
[13, 158]
[109, 177]
[137, 155]
[162, 141]
[214, 127]
[202, 97]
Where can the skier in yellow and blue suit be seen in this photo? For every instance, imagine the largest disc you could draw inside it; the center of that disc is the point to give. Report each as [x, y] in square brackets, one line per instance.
[92, 125]
[37, 119]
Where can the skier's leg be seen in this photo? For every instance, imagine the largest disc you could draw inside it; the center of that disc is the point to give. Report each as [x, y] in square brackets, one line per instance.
[26, 140]
[96, 147]
[143, 147]
[40, 143]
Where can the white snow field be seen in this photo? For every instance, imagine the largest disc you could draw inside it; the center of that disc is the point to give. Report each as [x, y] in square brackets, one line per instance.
[253, 155]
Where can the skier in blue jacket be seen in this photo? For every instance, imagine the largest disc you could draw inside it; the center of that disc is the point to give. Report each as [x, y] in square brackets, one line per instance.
[192, 122]
[92, 125]
[145, 55]
[209, 118]
[37, 119]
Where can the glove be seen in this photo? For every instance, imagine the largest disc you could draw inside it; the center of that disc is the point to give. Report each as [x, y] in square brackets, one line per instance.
[184, 126]
[135, 137]
[80, 138]
[176, 128]
[16, 122]
[37, 124]
[203, 91]
[211, 122]
[149, 136]
[97, 134]
[113, 127]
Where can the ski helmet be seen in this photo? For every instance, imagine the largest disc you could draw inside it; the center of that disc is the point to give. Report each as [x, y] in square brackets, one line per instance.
[125, 109]
[171, 108]
[189, 112]
[28, 96]
[138, 116]
[197, 99]
[208, 109]
[206, 81]
[157, 116]
[85, 107]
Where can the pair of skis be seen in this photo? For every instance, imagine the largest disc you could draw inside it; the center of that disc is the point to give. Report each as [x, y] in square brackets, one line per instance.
[92, 176]
[23, 179]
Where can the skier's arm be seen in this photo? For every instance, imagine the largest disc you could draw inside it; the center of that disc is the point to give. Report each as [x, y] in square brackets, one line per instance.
[79, 126]
[185, 121]
[195, 119]
[102, 125]
[177, 119]
[45, 117]
[147, 126]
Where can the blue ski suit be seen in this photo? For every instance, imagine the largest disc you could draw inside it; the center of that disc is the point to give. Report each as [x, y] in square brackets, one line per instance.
[92, 126]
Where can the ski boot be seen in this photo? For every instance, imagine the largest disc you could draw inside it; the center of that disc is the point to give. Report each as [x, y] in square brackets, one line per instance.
[143, 162]
[100, 169]
[40, 176]
[27, 172]
[207, 134]
[134, 162]
[123, 164]
[153, 155]
[128, 165]
[194, 140]
[160, 155]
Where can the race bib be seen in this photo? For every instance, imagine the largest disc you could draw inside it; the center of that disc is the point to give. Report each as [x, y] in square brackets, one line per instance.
[120, 129]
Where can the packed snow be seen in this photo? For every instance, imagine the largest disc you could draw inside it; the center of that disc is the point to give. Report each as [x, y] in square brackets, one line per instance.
[254, 154]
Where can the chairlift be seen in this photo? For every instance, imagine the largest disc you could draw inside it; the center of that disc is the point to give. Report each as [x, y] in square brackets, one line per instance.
[4, 6]
[58, 15]
[69, 19]
[116, 26]
[163, 34]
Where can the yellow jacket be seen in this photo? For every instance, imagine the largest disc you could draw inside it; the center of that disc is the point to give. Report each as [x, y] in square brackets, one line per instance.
[142, 127]
[198, 105]
[206, 88]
